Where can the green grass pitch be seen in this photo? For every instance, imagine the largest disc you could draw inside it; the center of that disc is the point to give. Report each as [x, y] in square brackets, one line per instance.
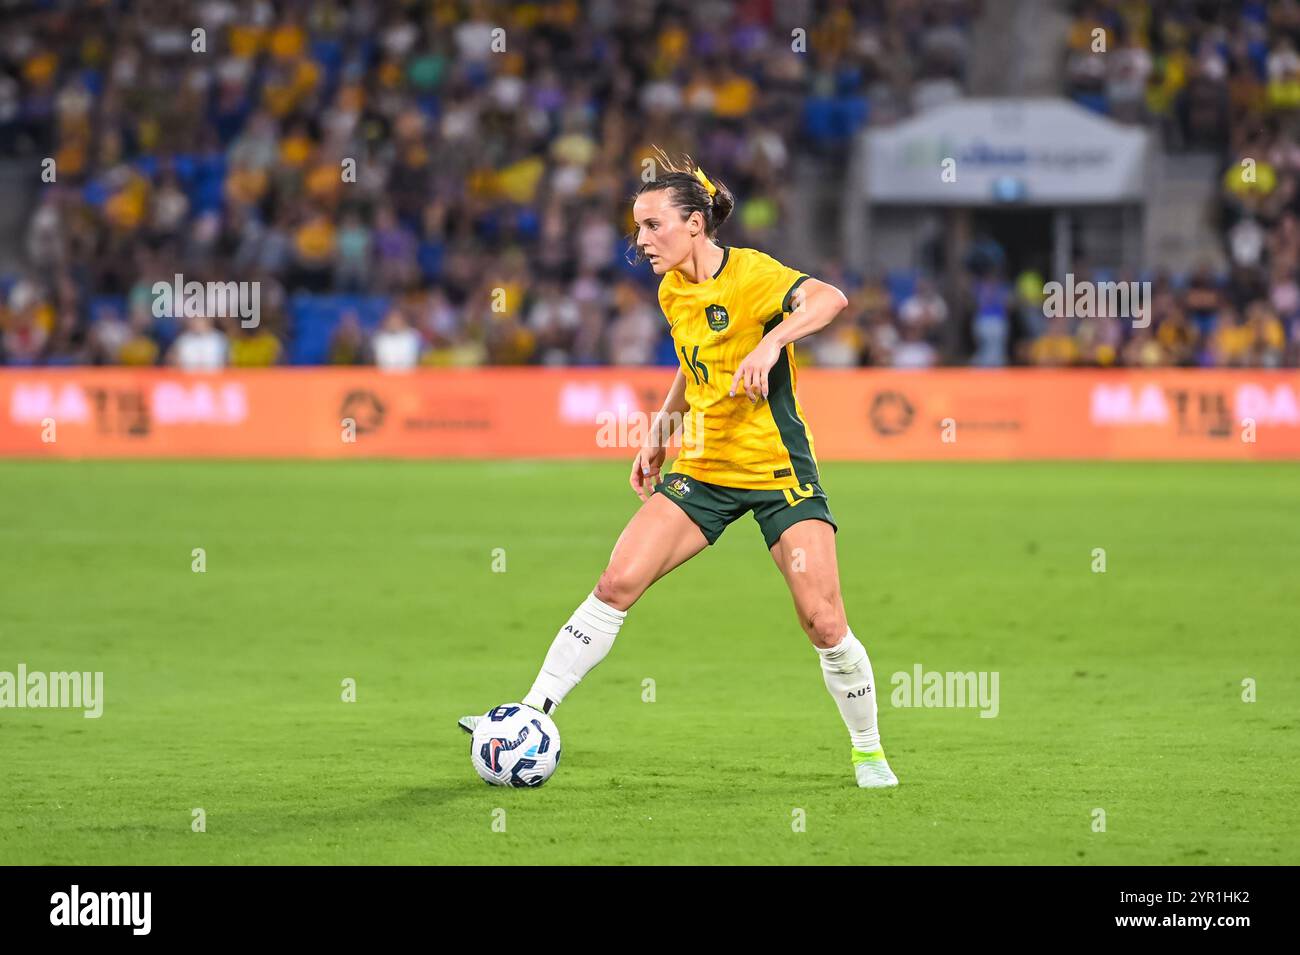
[1120, 691]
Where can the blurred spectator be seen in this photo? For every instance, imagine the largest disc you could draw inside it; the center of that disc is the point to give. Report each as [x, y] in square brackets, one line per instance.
[352, 271]
[254, 347]
[140, 348]
[924, 310]
[637, 328]
[912, 350]
[1178, 336]
[26, 328]
[1057, 347]
[348, 343]
[1099, 341]
[1268, 337]
[1203, 300]
[108, 336]
[200, 347]
[842, 345]
[396, 345]
[1028, 302]
[1143, 350]
[553, 320]
[991, 327]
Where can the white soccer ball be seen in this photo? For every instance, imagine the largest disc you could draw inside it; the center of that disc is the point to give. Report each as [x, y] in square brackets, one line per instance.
[515, 745]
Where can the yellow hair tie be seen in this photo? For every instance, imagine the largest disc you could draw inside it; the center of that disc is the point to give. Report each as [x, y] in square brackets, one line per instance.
[709, 187]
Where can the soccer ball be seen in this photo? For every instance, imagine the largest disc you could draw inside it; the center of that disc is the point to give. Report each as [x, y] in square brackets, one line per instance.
[515, 745]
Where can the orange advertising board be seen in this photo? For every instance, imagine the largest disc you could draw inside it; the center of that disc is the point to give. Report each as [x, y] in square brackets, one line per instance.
[602, 412]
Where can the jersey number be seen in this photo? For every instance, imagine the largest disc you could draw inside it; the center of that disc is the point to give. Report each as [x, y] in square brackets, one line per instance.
[697, 367]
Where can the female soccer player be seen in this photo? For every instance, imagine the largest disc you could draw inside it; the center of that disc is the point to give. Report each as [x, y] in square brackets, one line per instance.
[734, 314]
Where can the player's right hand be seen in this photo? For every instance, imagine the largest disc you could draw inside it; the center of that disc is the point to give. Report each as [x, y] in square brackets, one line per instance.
[645, 471]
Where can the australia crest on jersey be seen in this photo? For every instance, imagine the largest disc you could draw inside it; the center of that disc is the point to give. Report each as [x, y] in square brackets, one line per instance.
[717, 317]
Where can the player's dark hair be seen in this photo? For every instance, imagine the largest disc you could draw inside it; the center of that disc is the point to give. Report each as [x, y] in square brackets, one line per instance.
[688, 194]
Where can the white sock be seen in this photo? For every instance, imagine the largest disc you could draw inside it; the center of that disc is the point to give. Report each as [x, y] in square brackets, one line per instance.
[849, 679]
[577, 648]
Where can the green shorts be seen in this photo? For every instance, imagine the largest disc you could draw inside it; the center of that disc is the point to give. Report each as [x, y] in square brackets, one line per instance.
[713, 507]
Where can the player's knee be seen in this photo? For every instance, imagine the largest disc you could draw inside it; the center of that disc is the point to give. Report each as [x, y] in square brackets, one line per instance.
[617, 588]
[825, 625]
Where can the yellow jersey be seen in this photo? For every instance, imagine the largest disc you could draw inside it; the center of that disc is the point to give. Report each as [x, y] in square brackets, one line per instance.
[715, 324]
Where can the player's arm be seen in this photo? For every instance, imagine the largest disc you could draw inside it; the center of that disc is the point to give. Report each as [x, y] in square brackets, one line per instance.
[814, 306]
[645, 468]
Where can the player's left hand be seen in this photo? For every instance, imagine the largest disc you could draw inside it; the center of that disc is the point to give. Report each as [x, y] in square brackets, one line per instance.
[752, 373]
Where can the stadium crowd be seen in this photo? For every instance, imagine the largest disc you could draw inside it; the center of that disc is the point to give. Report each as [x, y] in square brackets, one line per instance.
[1218, 78]
[446, 183]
